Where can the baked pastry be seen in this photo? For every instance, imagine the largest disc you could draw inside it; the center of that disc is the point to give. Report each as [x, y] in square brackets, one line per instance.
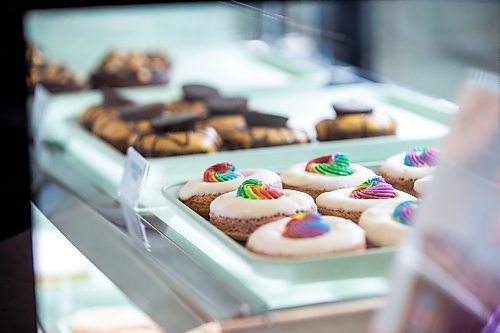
[112, 320]
[307, 234]
[420, 186]
[388, 223]
[174, 133]
[55, 77]
[125, 69]
[402, 170]
[239, 213]
[218, 179]
[226, 113]
[262, 130]
[117, 126]
[324, 174]
[350, 202]
[193, 99]
[111, 99]
[355, 120]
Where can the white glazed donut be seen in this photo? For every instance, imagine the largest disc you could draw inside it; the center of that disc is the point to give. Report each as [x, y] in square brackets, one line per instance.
[340, 236]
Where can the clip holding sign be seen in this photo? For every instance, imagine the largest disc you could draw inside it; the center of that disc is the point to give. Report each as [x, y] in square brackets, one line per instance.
[134, 177]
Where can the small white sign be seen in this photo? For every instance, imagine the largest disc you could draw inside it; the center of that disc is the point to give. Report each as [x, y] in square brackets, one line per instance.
[134, 178]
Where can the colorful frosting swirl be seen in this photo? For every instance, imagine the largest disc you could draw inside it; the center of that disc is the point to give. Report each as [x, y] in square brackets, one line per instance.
[256, 190]
[336, 164]
[374, 188]
[305, 225]
[405, 211]
[421, 156]
[221, 172]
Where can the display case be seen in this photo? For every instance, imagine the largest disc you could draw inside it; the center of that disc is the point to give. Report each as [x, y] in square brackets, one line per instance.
[173, 264]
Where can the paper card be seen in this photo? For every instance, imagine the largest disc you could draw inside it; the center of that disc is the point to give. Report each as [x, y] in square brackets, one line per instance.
[134, 176]
[41, 99]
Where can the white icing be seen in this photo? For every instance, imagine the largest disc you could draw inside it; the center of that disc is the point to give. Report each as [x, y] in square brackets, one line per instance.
[344, 235]
[200, 187]
[421, 185]
[339, 199]
[394, 166]
[229, 205]
[296, 175]
[381, 227]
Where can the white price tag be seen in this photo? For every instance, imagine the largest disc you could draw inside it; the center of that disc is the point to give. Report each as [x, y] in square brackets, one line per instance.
[134, 177]
[41, 99]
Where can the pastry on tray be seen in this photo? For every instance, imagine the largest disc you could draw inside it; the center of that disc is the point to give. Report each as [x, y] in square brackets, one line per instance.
[194, 97]
[307, 234]
[218, 179]
[226, 113]
[355, 119]
[55, 77]
[350, 202]
[174, 133]
[388, 223]
[262, 130]
[126, 69]
[402, 170]
[241, 212]
[422, 184]
[324, 174]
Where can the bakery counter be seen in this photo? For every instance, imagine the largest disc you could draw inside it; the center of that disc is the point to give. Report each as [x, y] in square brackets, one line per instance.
[134, 251]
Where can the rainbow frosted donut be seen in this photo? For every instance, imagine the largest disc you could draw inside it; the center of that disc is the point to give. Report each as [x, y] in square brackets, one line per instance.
[324, 174]
[388, 223]
[218, 179]
[403, 169]
[307, 234]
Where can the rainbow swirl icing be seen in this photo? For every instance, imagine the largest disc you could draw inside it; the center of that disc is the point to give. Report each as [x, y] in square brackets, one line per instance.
[335, 164]
[405, 211]
[374, 188]
[256, 190]
[421, 156]
[305, 225]
[221, 172]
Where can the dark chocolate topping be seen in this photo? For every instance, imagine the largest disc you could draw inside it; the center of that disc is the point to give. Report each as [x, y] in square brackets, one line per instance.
[352, 107]
[198, 92]
[140, 112]
[218, 106]
[255, 119]
[175, 121]
[111, 97]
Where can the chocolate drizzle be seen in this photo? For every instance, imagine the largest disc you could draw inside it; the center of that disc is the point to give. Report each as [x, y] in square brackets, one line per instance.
[175, 121]
[255, 119]
[218, 106]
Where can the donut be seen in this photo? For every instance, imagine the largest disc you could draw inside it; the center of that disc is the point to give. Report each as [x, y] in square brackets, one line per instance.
[422, 184]
[253, 204]
[350, 202]
[355, 119]
[125, 69]
[403, 169]
[386, 224]
[257, 137]
[307, 234]
[324, 174]
[218, 179]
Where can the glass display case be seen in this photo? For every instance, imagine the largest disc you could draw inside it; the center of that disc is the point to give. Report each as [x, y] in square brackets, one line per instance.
[291, 59]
